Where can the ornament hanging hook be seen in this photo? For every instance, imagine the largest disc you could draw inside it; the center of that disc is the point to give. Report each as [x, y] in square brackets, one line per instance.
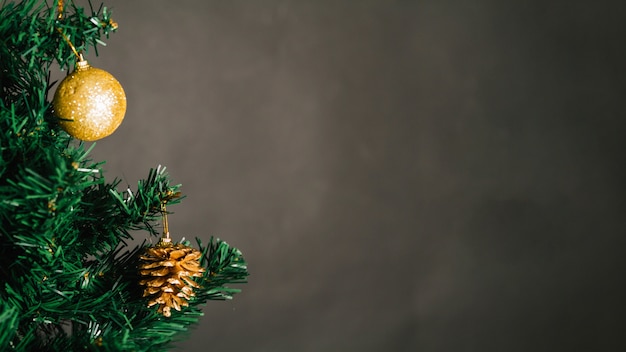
[78, 55]
[166, 197]
[60, 7]
[60, 11]
[166, 228]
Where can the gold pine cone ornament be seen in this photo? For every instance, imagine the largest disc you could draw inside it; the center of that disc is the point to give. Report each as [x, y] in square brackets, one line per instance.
[167, 272]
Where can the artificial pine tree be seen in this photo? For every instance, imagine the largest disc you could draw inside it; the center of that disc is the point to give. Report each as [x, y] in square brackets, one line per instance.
[69, 280]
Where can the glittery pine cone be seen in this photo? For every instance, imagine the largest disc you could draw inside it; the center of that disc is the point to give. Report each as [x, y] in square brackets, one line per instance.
[167, 270]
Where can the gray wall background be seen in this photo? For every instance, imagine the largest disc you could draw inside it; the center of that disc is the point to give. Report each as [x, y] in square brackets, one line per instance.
[401, 175]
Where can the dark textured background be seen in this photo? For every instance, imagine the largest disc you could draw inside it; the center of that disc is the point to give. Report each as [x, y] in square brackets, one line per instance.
[401, 175]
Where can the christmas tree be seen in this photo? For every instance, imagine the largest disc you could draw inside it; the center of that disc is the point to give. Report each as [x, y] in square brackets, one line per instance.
[69, 279]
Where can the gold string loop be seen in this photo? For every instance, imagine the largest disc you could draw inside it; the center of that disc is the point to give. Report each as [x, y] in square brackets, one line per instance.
[60, 7]
[60, 10]
[166, 228]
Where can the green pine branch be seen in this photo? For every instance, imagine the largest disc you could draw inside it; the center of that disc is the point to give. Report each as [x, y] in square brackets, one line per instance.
[68, 278]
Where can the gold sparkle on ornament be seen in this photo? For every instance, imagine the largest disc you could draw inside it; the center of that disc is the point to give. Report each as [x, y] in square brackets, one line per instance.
[90, 103]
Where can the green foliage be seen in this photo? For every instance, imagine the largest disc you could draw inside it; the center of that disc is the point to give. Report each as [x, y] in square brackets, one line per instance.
[68, 278]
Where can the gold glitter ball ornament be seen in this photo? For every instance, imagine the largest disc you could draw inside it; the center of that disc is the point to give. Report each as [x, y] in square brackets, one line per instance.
[90, 103]
[167, 270]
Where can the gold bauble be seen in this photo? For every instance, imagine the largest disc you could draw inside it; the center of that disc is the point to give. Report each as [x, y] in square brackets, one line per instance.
[90, 103]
